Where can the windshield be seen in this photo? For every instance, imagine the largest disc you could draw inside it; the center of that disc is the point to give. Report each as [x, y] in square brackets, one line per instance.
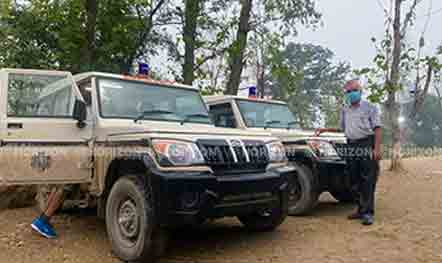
[264, 114]
[125, 99]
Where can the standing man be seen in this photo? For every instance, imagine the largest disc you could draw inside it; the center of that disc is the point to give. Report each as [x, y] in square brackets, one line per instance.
[361, 123]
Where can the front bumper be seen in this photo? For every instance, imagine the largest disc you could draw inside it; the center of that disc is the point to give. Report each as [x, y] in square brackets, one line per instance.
[333, 174]
[331, 167]
[191, 197]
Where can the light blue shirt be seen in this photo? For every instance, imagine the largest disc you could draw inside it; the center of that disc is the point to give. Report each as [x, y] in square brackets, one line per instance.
[360, 122]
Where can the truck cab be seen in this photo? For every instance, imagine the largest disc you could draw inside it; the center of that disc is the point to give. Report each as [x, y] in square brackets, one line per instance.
[317, 159]
[144, 152]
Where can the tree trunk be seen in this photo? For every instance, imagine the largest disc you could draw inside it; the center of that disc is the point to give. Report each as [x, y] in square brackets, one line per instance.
[148, 24]
[192, 11]
[260, 81]
[260, 64]
[394, 113]
[88, 54]
[439, 96]
[237, 49]
[422, 93]
[393, 83]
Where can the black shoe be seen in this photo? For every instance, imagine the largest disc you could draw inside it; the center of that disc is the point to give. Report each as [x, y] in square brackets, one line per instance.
[367, 220]
[354, 216]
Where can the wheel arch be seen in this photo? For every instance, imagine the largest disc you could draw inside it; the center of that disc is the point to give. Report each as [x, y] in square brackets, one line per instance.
[118, 168]
[300, 152]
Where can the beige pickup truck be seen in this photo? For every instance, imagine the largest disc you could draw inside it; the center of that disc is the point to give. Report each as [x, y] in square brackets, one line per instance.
[144, 152]
[317, 159]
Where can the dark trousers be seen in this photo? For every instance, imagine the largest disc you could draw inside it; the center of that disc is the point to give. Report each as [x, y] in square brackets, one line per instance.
[364, 171]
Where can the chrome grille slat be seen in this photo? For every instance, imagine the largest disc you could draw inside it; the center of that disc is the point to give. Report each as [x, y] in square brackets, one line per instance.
[234, 156]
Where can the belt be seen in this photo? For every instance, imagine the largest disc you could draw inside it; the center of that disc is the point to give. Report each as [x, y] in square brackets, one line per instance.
[366, 140]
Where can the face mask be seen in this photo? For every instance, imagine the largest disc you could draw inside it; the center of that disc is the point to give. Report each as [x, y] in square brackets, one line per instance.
[353, 97]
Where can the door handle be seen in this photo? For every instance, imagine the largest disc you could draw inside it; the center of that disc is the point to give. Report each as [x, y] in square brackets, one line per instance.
[15, 125]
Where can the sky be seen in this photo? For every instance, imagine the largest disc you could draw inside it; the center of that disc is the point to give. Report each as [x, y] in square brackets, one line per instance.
[350, 24]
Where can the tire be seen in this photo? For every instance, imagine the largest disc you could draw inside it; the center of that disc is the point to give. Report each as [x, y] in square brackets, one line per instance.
[303, 191]
[265, 221]
[130, 220]
[343, 196]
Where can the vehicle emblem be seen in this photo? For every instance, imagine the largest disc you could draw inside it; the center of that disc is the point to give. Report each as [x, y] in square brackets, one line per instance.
[235, 143]
[40, 161]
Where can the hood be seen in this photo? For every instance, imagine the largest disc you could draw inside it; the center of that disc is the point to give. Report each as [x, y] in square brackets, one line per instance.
[291, 135]
[128, 130]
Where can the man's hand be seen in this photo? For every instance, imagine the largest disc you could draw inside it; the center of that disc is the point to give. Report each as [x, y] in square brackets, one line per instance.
[377, 153]
[318, 131]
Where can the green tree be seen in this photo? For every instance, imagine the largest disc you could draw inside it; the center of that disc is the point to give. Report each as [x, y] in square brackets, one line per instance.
[284, 14]
[306, 76]
[426, 130]
[394, 63]
[202, 36]
[81, 35]
[192, 12]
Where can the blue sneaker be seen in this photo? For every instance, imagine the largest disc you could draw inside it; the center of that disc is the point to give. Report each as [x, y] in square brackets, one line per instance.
[44, 228]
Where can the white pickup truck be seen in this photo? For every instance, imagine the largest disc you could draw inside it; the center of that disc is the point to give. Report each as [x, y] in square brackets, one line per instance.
[320, 167]
[144, 152]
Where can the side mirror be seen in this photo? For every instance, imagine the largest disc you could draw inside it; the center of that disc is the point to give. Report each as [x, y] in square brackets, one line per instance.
[80, 113]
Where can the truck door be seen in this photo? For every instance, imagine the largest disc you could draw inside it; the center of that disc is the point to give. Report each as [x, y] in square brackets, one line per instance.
[40, 142]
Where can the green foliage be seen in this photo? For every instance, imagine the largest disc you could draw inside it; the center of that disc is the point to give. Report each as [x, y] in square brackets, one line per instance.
[269, 17]
[306, 77]
[290, 13]
[425, 131]
[5, 6]
[411, 64]
[45, 34]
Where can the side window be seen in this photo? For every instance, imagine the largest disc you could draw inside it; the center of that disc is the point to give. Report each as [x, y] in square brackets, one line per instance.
[222, 115]
[39, 96]
[63, 103]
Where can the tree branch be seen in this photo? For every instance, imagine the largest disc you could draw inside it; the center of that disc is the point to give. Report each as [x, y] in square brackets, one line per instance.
[157, 7]
[421, 94]
[409, 16]
[215, 54]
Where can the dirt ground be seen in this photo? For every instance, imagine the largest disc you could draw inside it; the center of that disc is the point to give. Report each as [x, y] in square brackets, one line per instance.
[408, 229]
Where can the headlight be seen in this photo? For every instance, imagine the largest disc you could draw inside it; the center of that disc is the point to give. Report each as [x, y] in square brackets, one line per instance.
[177, 153]
[276, 152]
[323, 148]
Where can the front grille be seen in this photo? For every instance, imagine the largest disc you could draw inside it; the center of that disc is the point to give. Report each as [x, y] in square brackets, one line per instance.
[234, 156]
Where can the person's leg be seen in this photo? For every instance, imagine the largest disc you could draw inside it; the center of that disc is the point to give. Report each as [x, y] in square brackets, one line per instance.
[55, 200]
[42, 223]
[354, 166]
[369, 173]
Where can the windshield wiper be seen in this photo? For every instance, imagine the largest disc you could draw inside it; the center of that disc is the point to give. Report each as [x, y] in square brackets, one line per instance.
[196, 115]
[149, 112]
[270, 123]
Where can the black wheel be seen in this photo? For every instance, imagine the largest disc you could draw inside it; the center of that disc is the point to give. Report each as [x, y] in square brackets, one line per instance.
[303, 191]
[130, 219]
[345, 196]
[267, 220]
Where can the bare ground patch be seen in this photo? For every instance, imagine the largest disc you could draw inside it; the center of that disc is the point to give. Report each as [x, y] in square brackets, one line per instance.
[408, 229]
